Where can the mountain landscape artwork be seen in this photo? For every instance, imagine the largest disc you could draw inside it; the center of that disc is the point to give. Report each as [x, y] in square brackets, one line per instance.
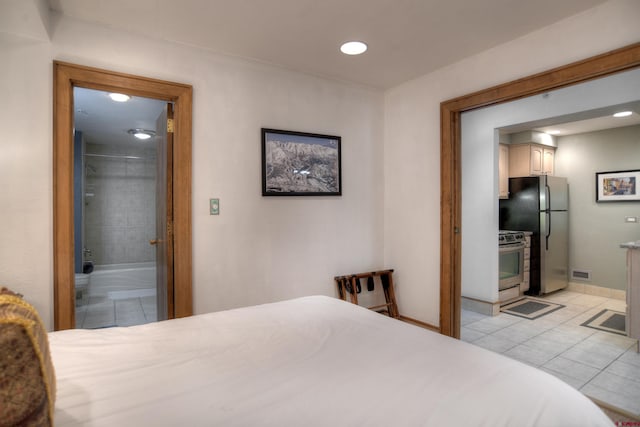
[296, 163]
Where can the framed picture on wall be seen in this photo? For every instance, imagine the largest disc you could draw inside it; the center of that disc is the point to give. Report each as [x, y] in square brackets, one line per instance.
[300, 164]
[617, 186]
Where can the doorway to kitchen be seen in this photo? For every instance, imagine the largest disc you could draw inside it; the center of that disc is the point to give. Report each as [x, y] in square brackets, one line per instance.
[606, 64]
[557, 340]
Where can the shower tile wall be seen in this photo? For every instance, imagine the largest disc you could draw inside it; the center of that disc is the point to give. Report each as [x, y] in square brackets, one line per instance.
[120, 204]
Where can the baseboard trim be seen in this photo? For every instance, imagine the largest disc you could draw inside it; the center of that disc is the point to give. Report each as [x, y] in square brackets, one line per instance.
[419, 323]
[479, 306]
[601, 291]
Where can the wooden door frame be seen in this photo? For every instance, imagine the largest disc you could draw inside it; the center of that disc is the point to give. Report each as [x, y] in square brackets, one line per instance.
[450, 150]
[66, 76]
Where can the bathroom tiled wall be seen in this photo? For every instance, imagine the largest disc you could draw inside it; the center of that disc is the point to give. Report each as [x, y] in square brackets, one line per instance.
[120, 204]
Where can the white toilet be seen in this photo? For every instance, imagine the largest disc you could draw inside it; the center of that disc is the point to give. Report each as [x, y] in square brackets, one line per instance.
[82, 287]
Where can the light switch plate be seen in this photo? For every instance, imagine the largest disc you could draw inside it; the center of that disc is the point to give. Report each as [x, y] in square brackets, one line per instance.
[630, 219]
[214, 206]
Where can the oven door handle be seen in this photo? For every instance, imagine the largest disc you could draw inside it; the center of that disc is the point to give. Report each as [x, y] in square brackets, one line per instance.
[511, 246]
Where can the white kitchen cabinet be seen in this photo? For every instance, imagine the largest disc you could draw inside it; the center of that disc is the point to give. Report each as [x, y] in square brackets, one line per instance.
[548, 160]
[531, 159]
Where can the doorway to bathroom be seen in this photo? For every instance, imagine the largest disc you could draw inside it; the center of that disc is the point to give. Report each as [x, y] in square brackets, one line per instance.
[120, 174]
[172, 237]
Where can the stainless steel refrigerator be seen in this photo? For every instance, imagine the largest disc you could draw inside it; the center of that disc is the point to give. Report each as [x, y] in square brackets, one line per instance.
[540, 204]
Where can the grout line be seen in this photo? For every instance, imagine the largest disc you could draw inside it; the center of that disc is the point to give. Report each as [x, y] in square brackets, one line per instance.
[142, 310]
[616, 359]
[115, 314]
[565, 322]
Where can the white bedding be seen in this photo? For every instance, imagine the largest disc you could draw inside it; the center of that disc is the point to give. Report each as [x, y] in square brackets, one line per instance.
[314, 361]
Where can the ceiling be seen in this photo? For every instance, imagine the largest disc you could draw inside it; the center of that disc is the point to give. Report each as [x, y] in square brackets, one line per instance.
[103, 121]
[592, 125]
[582, 121]
[406, 38]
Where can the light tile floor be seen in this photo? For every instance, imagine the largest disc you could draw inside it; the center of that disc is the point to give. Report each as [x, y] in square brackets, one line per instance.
[103, 312]
[600, 364]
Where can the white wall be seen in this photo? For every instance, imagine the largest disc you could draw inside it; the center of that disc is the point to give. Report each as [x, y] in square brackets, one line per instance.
[412, 135]
[597, 229]
[258, 249]
[262, 249]
[26, 220]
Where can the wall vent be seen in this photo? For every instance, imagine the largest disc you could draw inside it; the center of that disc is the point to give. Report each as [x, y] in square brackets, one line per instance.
[584, 275]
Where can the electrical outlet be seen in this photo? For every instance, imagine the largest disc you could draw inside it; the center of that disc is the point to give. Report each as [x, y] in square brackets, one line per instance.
[214, 206]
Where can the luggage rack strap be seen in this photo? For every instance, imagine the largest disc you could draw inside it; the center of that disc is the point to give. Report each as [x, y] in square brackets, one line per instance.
[350, 284]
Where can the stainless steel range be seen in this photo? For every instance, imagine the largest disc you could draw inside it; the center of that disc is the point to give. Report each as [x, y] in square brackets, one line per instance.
[511, 246]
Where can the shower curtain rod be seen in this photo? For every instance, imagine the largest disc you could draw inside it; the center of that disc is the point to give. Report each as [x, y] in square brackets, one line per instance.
[114, 156]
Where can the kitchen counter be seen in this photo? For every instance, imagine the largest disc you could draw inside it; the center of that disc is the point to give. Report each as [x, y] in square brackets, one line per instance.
[631, 245]
[633, 290]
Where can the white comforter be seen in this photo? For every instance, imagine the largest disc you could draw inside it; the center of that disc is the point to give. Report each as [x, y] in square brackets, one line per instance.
[314, 361]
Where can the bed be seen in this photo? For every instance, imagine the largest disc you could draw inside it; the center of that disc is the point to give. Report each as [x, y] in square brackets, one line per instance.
[312, 361]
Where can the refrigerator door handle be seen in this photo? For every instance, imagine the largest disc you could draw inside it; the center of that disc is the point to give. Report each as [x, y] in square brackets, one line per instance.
[547, 212]
[547, 196]
[546, 237]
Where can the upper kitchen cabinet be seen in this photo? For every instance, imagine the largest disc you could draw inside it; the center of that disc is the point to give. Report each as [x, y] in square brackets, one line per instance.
[548, 160]
[531, 159]
[530, 153]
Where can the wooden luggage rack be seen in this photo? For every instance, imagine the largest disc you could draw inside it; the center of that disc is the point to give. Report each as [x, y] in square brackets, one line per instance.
[350, 284]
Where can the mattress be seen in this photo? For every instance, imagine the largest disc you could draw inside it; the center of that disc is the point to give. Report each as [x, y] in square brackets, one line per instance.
[313, 361]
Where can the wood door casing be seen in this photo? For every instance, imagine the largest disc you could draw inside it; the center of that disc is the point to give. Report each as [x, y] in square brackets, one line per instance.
[592, 68]
[65, 77]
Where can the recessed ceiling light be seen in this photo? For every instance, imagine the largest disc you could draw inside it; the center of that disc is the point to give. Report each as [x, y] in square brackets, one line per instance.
[119, 97]
[553, 132]
[623, 114]
[141, 133]
[353, 48]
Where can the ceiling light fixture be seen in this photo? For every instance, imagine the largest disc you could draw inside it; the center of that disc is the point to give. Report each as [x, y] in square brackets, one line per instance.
[119, 97]
[141, 133]
[553, 132]
[623, 114]
[353, 48]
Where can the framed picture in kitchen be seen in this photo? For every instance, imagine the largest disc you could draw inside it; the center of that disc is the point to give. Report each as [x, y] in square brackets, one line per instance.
[300, 164]
[617, 186]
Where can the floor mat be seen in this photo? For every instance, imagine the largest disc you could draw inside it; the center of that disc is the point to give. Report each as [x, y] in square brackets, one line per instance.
[530, 308]
[609, 321]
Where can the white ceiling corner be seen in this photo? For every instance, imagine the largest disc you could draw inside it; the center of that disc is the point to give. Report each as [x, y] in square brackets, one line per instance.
[406, 38]
[25, 18]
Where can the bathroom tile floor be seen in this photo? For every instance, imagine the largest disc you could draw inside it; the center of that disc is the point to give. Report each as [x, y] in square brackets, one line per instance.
[103, 312]
[602, 365]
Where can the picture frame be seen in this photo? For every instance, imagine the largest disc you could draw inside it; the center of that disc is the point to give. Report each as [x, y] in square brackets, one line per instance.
[617, 186]
[300, 164]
